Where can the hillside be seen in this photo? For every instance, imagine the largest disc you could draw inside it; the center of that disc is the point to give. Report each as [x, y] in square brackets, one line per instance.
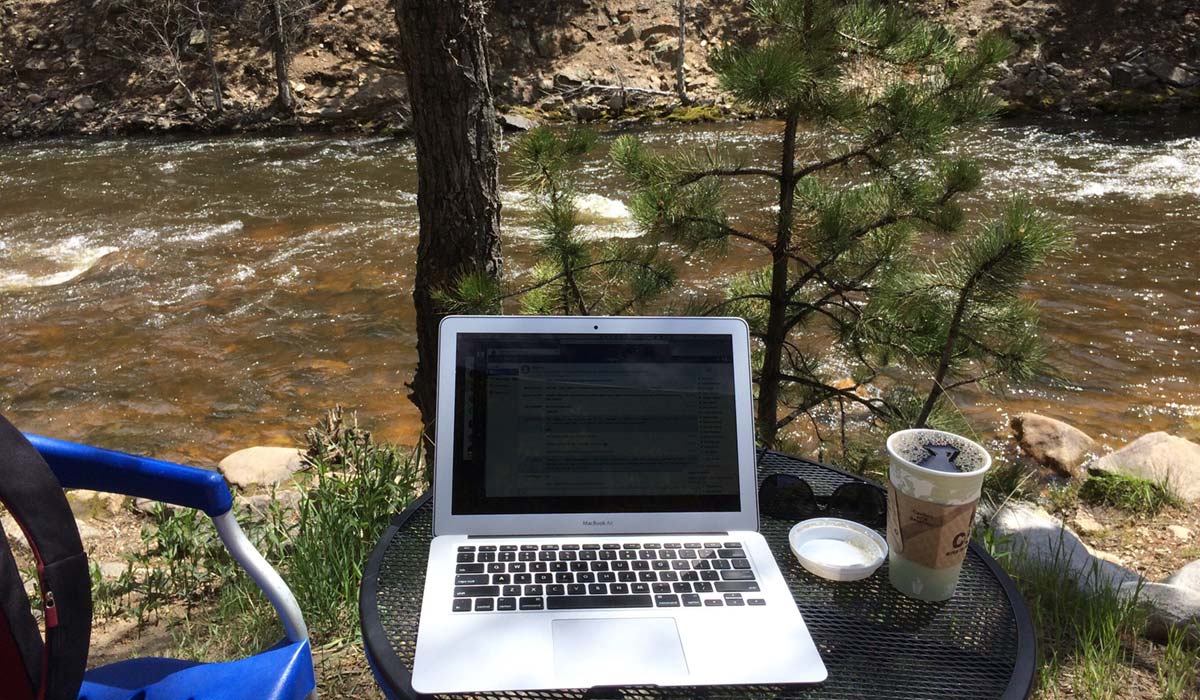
[75, 66]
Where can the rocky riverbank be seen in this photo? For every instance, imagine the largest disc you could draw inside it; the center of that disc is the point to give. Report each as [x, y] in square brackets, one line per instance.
[68, 70]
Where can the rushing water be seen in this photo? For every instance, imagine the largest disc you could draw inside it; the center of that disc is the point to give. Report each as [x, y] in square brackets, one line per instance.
[187, 297]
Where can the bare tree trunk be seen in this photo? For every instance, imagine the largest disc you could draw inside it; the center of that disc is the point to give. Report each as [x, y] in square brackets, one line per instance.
[680, 83]
[454, 128]
[771, 375]
[210, 55]
[279, 50]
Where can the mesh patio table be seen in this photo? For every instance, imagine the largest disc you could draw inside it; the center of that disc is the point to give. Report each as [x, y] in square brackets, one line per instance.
[875, 642]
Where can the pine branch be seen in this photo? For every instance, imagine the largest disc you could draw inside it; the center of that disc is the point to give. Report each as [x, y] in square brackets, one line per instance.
[736, 171]
[960, 308]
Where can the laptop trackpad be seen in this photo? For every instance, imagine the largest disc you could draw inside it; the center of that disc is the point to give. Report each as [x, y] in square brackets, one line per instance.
[639, 650]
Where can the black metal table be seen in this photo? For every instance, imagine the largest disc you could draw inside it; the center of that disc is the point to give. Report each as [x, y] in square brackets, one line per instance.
[875, 642]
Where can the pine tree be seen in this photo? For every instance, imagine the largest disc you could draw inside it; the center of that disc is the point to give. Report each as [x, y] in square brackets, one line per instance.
[570, 276]
[839, 293]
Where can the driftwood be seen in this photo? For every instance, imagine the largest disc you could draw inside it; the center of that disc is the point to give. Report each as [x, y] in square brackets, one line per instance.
[587, 87]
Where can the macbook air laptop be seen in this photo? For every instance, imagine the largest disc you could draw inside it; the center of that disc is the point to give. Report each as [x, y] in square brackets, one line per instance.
[595, 512]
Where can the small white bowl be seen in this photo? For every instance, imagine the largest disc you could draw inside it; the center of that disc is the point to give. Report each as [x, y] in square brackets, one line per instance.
[836, 549]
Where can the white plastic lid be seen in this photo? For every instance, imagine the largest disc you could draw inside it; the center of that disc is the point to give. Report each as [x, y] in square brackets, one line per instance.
[836, 549]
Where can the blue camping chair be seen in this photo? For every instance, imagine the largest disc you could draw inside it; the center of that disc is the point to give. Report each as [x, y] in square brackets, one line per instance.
[283, 672]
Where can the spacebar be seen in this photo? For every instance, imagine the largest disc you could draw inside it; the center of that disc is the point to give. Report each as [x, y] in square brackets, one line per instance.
[585, 602]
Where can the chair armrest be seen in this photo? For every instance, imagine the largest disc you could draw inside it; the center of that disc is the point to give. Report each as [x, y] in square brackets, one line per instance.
[85, 467]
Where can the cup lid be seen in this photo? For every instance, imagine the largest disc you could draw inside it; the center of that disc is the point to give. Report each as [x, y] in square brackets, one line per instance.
[837, 549]
[909, 446]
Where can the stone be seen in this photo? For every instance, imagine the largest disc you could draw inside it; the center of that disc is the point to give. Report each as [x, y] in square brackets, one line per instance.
[572, 75]
[1056, 69]
[95, 503]
[1180, 532]
[1027, 531]
[83, 103]
[666, 51]
[33, 98]
[1086, 524]
[1052, 443]
[260, 465]
[1187, 577]
[1175, 75]
[1172, 607]
[111, 569]
[1123, 74]
[1159, 457]
[516, 122]
[16, 538]
[585, 112]
[87, 531]
[260, 504]
[629, 35]
[660, 29]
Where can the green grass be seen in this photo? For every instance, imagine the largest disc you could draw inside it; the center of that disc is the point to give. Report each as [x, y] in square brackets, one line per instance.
[1128, 493]
[1089, 642]
[356, 485]
[1086, 634]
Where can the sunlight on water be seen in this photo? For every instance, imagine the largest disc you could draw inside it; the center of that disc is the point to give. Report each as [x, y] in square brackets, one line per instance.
[47, 267]
[186, 297]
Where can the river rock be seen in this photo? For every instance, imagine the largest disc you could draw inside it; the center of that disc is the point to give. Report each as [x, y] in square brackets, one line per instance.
[516, 122]
[1123, 74]
[1086, 524]
[1052, 443]
[1172, 607]
[1173, 74]
[1180, 532]
[260, 504]
[87, 531]
[255, 466]
[1159, 457]
[83, 103]
[1029, 532]
[1188, 577]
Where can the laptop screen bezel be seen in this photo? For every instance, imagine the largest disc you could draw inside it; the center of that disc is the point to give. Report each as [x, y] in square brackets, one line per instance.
[445, 522]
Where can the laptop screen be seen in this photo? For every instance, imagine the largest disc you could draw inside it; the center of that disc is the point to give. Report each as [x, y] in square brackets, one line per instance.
[594, 423]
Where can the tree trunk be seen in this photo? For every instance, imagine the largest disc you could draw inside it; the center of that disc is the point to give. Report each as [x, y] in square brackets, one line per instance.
[769, 379]
[279, 51]
[454, 129]
[680, 83]
[210, 56]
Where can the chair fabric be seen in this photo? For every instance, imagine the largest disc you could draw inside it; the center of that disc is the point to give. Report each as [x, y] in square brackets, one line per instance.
[284, 672]
[31, 669]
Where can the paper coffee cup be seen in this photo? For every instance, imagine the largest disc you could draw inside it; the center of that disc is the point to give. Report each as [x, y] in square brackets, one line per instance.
[934, 483]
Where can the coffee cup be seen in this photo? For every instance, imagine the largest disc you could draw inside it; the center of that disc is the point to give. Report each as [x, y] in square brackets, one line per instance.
[934, 482]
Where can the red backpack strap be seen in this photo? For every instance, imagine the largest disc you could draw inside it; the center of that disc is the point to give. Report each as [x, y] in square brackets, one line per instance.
[31, 493]
[20, 643]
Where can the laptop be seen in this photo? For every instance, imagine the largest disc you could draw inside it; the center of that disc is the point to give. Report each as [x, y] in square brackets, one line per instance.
[595, 512]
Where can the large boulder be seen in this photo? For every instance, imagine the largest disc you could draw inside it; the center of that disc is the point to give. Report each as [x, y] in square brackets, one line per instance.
[1159, 457]
[1171, 607]
[260, 466]
[1053, 443]
[1188, 577]
[1031, 534]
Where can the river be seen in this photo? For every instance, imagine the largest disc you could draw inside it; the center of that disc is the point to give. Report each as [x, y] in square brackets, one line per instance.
[186, 297]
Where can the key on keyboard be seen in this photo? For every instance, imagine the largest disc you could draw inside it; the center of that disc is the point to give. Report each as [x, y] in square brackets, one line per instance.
[602, 576]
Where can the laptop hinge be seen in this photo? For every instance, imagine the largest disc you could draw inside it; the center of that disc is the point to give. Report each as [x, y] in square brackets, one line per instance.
[596, 534]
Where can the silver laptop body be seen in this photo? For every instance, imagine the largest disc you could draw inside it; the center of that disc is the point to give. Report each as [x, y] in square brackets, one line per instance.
[595, 513]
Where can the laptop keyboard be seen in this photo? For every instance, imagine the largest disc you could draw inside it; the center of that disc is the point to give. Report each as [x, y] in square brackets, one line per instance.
[510, 577]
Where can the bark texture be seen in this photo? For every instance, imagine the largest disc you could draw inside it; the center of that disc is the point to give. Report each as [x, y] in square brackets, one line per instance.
[281, 57]
[454, 129]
